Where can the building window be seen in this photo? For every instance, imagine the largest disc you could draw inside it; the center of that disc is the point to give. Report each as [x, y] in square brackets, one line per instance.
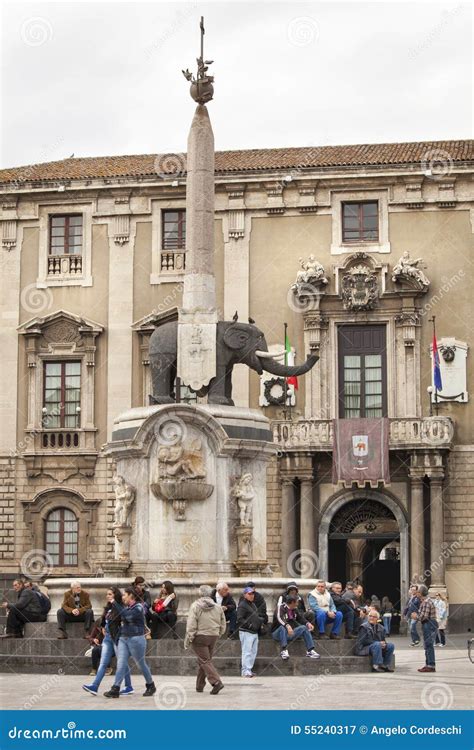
[62, 395]
[362, 371]
[360, 222]
[61, 537]
[174, 230]
[65, 245]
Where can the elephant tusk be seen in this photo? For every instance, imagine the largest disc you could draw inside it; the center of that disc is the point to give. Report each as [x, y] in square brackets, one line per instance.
[275, 355]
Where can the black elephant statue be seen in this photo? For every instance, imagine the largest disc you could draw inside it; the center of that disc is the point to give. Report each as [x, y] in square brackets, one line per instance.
[237, 343]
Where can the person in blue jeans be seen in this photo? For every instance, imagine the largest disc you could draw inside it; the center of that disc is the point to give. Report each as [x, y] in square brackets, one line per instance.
[372, 640]
[412, 607]
[322, 604]
[111, 623]
[289, 624]
[132, 643]
[429, 625]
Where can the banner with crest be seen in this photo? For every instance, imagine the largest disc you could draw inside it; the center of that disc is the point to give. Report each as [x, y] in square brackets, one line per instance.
[361, 451]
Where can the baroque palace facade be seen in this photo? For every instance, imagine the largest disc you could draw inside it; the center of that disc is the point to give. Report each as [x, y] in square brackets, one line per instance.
[355, 248]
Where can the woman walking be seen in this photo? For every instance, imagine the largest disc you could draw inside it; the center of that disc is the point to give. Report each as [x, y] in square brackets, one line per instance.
[111, 625]
[132, 643]
[442, 613]
[386, 611]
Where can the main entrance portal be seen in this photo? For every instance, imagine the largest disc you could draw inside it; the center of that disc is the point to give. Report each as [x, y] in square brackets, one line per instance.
[364, 546]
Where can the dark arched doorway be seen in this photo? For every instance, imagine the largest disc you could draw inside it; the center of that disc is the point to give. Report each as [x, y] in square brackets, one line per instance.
[364, 545]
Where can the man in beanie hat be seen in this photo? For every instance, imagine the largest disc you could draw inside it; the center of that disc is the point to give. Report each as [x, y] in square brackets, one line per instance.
[292, 590]
[288, 625]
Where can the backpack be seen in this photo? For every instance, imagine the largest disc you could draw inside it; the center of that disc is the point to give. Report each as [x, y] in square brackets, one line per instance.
[44, 602]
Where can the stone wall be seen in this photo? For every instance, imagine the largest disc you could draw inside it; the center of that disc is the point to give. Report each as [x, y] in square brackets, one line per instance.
[7, 511]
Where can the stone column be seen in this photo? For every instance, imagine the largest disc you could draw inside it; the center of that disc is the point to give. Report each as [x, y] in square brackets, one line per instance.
[437, 565]
[288, 535]
[307, 514]
[417, 539]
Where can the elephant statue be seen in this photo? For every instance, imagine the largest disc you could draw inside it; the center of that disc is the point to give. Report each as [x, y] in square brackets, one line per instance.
[237, 343]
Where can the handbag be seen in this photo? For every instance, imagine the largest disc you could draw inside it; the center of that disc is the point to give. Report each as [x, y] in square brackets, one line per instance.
[88, 652]
[147, 633]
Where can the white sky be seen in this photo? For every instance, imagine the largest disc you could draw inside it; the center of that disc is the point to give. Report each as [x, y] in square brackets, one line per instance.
[105, 78]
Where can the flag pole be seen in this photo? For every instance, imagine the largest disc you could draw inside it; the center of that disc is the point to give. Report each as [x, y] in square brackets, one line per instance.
[433, 320]
[285, 325]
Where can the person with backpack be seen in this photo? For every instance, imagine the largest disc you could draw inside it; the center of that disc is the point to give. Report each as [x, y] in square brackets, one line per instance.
[43, 598]
[26, 608]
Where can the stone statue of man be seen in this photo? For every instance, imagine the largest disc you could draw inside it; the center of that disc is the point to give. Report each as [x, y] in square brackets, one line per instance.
[244, 493]
[124, 499]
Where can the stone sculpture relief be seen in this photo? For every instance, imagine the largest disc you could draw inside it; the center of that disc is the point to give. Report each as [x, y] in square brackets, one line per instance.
[409, 270]
[124, 499]
[242, 490]
[359, 289]
[311, 274]
[180, 462]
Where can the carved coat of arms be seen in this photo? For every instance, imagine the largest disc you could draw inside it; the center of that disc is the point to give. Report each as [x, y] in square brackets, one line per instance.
[196, 353]
[359, 288]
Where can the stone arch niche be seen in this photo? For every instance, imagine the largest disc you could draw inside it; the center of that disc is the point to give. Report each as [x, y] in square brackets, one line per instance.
[35, 514]
[392, 513]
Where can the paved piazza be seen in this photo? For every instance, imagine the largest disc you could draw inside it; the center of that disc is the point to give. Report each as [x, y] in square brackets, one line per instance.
[450, 687]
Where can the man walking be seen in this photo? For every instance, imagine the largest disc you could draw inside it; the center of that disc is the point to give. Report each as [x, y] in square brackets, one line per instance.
[427, 616]
[249, 623]
[206, 622]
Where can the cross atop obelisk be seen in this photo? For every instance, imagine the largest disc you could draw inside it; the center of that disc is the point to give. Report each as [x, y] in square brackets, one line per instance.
[198, 316]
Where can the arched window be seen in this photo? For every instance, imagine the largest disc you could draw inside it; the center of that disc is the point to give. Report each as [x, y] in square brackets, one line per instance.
[61, 537]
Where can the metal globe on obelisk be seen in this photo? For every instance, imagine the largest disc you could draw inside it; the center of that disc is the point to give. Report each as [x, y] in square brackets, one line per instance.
[198, 315]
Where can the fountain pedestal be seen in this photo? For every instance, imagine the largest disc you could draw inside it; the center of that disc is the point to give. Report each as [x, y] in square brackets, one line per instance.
[196, 471]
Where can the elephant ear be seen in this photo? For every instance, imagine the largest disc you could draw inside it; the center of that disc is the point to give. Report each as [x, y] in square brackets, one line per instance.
[237, 336]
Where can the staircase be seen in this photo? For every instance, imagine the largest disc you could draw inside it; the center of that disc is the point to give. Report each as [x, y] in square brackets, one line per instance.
[41, 652]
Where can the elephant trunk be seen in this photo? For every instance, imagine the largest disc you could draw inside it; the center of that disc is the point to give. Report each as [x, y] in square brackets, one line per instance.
[287, 371]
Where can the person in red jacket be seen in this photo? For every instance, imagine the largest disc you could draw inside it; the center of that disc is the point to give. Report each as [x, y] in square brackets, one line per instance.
[164, 610]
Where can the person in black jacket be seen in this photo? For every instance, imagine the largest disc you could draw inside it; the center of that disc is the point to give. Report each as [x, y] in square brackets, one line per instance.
[143, 595]
[289, 624]
[163, 613]
[292, 590]
[345, 607]
[372, 640]
[261, 605]
[222, 596]
[249, 623]
[26, 608]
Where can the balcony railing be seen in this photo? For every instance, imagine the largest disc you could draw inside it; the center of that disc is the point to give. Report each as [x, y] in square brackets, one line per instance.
[173, 262]
[65, 265]
[405, 433]
[62, 440]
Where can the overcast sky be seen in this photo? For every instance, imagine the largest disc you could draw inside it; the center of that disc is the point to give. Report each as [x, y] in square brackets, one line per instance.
[105, 78]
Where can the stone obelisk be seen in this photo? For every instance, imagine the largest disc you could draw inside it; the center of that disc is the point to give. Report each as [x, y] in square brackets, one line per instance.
[198, 316]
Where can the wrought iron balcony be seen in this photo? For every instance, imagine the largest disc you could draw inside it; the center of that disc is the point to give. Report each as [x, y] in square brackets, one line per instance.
[405, 433]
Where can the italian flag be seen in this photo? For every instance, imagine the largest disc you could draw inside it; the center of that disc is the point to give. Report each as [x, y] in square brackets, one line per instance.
[292, 380]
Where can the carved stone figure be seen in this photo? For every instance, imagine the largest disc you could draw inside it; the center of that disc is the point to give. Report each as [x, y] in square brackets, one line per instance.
[311, 271]
[359, 288]
[244, 542]
[182, 463]
[243, 491]
[236, 343]
[122, 536]
[124, 499]
[408, 270]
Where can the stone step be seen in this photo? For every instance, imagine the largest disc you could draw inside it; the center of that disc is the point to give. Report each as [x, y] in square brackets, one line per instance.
[186, 665]
[41, 646]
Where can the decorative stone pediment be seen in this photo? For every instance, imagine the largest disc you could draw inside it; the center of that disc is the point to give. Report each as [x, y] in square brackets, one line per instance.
[59, 332]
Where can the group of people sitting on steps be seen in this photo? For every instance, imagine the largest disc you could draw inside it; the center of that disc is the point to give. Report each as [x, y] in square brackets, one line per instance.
[131, 617]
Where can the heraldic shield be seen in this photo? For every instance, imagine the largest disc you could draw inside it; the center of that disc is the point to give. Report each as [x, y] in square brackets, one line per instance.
[196, 353]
